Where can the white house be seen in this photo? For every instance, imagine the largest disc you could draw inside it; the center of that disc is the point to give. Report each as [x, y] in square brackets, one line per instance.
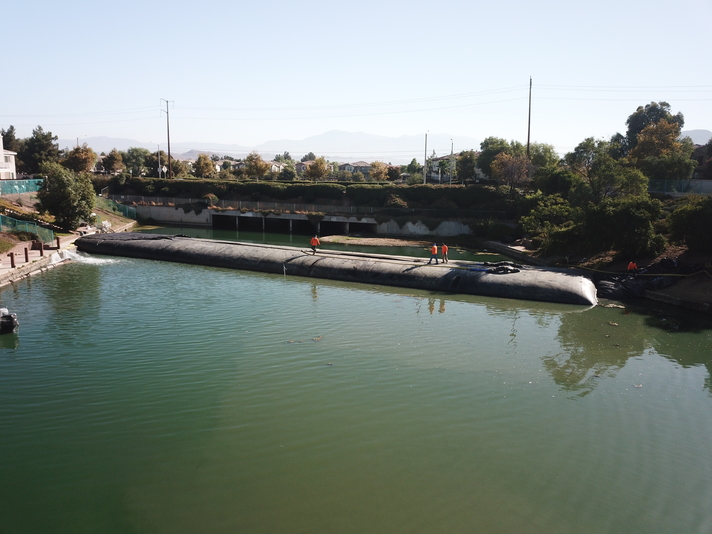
[7, 163]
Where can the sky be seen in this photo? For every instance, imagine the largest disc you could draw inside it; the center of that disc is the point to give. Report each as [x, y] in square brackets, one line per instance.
[253, 71]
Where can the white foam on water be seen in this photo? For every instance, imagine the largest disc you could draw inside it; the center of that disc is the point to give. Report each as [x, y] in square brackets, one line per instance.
[82, 258]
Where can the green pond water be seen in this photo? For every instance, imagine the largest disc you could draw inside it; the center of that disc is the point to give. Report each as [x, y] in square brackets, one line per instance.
[150, 397]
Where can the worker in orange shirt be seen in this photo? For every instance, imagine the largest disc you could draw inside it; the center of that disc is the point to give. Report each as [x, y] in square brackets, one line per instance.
[314, 242]
[444, 249]
[632, 267]
[433, 254]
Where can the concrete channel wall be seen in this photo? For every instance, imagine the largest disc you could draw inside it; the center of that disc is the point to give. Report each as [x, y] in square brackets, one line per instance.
[297, 222]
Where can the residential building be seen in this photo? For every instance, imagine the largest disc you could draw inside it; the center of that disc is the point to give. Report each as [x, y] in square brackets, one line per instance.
[7, 163]
[302, 166]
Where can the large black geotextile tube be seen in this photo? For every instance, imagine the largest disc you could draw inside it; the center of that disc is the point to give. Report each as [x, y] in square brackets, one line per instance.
[530, 283]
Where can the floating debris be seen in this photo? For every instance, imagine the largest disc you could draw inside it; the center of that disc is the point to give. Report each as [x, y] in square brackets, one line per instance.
[612, 323]
[638, 385]
[318, 338]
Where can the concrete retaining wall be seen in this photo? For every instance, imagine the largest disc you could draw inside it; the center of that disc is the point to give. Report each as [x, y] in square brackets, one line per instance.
[178, 216]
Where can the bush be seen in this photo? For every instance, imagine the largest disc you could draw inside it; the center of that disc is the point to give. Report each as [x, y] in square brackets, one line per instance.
[691, 224]
[394, 201]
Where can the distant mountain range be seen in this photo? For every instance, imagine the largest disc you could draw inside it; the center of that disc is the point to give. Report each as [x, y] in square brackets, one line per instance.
[335, 145]
[699, 137]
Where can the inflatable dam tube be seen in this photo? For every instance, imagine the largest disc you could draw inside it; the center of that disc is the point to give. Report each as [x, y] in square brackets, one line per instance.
[528, 283]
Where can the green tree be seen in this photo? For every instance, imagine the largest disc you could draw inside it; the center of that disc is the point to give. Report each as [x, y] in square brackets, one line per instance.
[287, 174]
[414, 167]
[543, 155]
[491, 147]
[554, 180]
[66, 195]
[283, 158]
[625, 225]
[38, 149]
[152, 163]
[318, 170]
[603, 176]
[135, 160]
[255, 167]
[179, 168]
[80, 159]
[112, 162]
[203, 166]
[466, 166]
[10, 140]
[691, 223]
[308, 157]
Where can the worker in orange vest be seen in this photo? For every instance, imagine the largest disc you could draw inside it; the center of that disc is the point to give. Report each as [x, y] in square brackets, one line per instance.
[314, 242]
[632, 267]
[433, 254]
[444, 249]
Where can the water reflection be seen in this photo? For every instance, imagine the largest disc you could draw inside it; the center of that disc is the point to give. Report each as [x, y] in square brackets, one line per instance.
[9, 341]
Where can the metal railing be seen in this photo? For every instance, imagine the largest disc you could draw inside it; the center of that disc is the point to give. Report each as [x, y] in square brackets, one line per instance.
[9, 224]
[17, 187]
[326, 209]
[681, 187]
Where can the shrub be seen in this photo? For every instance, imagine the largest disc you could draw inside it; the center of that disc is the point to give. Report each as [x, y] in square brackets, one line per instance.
[691, 224]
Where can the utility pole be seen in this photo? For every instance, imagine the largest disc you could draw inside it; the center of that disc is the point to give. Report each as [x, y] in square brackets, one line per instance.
[168, 128]
[452, 160]
[425, 161]
[529, 122]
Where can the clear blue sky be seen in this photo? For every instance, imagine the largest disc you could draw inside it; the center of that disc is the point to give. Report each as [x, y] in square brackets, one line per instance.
[258, 70]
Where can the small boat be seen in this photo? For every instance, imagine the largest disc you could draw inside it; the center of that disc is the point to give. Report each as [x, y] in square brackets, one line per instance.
[8, 321]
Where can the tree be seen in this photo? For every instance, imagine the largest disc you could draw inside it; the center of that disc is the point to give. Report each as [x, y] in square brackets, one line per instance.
[394, 173]
[38, 149]
[287, 174]
[308, 157]
[553, 180]
[603, 175]
[66, 195]
[178, 167]
[650, 114]
[491, 147]
[203, 166]
[283, 158]
[466, 165]
[661, 154]
[255, 167]
[317, 170]
[152, 163]
[112, 162]
[581, 160]
[10, 140]
[414, 167]
[543, 155]
[135, 160]
[511, 170]
[378, 171]
[80, 159]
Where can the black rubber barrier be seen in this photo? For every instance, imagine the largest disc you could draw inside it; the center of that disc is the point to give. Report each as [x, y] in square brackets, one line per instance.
[528, 283]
